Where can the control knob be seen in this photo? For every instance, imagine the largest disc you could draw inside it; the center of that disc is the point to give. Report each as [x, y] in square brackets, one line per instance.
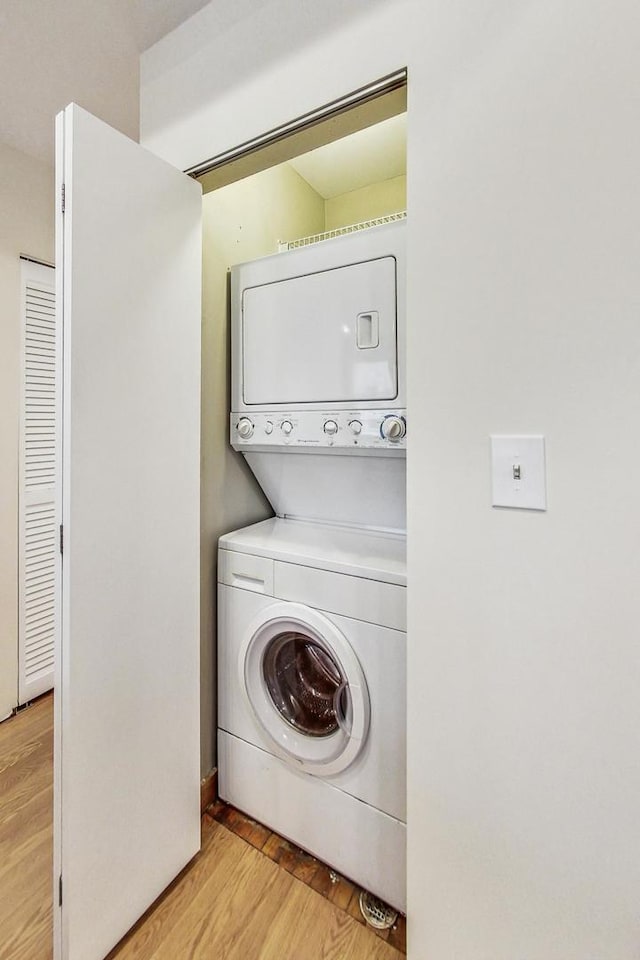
[356, 427]
[268, 427]
[330, 428]
[286, 426]
[393, 428]
[244, 427]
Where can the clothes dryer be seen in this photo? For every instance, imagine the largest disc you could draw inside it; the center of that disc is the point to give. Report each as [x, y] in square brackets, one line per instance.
[312, 650]
[318, 378]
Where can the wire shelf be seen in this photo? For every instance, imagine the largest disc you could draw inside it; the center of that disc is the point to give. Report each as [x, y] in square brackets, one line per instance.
[340, 231]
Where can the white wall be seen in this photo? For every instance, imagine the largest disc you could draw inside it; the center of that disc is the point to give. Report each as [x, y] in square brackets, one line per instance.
[524, 665]
[26, 226]
[53, 52]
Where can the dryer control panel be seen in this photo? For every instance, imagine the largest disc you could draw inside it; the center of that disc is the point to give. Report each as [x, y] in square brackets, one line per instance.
[341, 429]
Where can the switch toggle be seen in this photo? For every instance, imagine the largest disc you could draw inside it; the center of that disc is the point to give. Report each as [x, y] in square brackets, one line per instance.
[518, 472]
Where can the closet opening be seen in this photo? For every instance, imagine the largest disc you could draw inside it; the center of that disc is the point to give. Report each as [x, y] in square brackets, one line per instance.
[339, 172]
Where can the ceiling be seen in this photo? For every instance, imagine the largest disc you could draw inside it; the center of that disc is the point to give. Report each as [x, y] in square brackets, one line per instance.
[155, 18]
[53, 52]
[369, 156]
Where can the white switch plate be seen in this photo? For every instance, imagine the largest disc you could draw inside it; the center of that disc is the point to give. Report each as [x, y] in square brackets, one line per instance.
[518, 472]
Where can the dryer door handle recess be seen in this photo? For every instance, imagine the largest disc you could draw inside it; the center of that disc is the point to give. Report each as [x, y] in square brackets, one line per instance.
[368, 330]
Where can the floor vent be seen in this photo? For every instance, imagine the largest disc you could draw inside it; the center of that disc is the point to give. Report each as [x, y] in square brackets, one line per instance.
[376, 912]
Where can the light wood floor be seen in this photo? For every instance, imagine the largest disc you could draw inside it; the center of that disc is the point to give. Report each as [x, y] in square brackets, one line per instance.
[230, 903]
[26, 815]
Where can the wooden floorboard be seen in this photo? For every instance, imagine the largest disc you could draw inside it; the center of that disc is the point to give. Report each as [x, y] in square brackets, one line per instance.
[313, 872]
[232, 902]
[26, 822]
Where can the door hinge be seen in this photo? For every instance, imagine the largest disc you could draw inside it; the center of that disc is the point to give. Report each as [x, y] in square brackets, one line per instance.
[60, 890]
[62, 198]
[61, 537]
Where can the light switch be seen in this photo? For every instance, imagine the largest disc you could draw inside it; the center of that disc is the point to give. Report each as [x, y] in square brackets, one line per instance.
[518, 472]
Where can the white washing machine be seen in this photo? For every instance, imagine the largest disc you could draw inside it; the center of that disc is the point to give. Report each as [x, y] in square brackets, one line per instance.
[311, 692]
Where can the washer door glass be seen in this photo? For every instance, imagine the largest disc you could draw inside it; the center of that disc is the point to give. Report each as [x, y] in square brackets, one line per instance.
[305, 684]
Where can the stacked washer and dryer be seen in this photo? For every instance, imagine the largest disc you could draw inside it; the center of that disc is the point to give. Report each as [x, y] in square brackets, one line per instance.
[312, 609]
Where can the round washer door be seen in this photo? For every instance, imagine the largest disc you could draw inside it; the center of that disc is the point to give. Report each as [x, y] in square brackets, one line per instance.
[306, 688]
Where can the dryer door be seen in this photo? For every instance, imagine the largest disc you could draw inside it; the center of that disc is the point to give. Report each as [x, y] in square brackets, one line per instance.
[337, 332]
[306, 688]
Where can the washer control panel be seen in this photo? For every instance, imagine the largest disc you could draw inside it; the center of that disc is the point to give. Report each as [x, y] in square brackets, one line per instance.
[365, 429]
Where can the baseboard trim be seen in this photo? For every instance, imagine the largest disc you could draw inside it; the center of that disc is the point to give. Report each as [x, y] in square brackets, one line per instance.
[208, 789]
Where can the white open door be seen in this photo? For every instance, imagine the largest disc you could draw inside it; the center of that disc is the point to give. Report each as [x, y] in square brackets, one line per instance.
[127, 815]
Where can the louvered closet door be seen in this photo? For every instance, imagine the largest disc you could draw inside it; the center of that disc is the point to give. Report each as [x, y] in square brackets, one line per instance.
[37, 538]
